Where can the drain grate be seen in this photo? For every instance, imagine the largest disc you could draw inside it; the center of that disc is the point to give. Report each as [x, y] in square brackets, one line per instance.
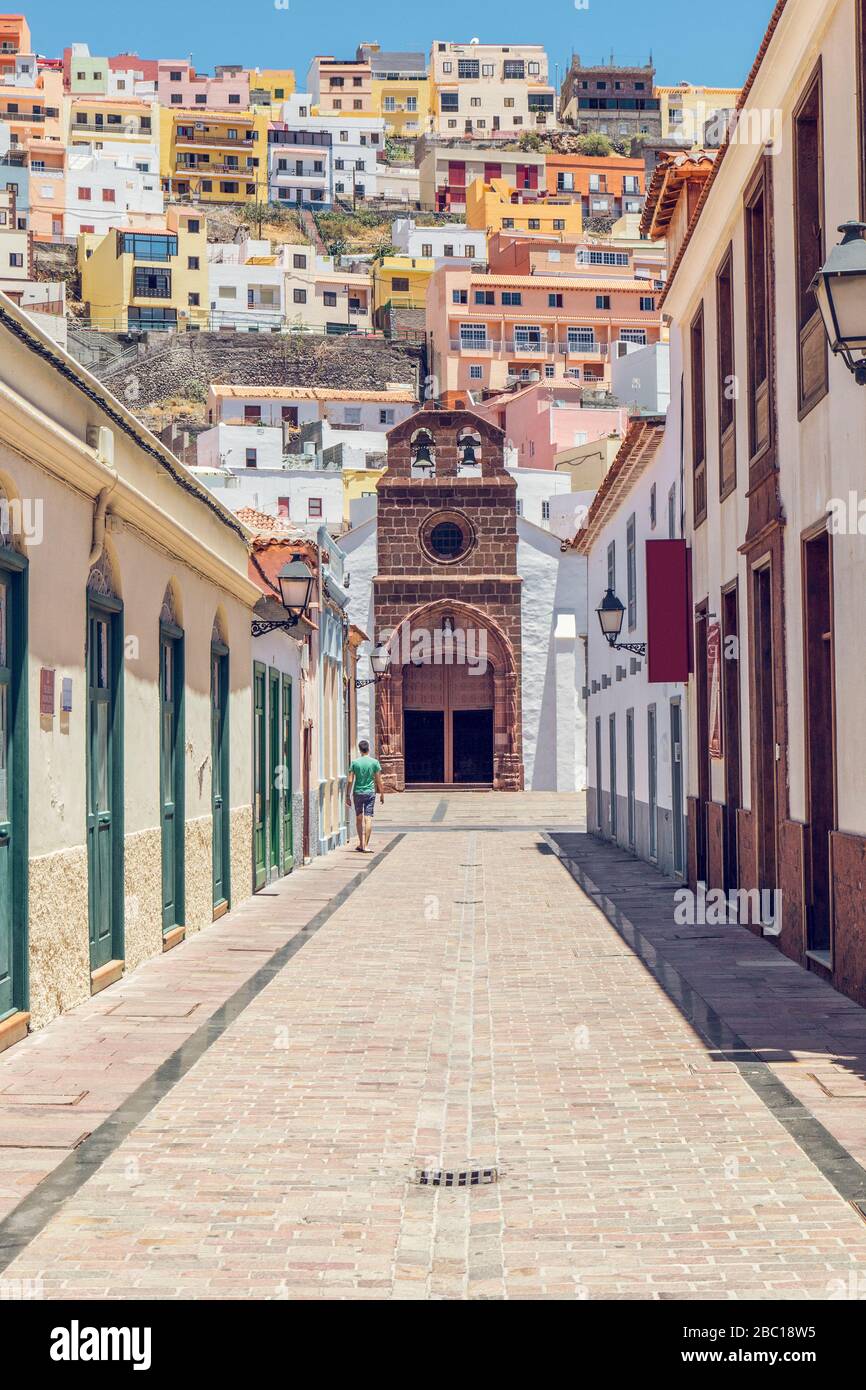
[465, 1177]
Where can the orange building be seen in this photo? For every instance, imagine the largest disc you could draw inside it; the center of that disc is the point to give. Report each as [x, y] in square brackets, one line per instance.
[534, 253]
[14, 39]
[606, 186]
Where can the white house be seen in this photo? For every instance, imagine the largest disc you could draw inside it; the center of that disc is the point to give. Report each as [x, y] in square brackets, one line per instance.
[448, 244]
[297, 406]
[356, 141]
[635, 713]
[245, 285]
[114, 185]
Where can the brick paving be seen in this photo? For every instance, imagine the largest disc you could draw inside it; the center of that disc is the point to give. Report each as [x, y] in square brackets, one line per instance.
[468, 1006]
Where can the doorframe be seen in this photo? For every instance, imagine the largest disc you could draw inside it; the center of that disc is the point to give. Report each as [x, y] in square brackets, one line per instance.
[808, 535]
[679, 851]
[16, 567]
[274, 725]
[171, 632]
[287, 740]
[112, 608]
[260, 774]
[732, 745]
[221, 651]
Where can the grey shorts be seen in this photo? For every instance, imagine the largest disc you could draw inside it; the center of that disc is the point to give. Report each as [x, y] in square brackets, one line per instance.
[365, 803]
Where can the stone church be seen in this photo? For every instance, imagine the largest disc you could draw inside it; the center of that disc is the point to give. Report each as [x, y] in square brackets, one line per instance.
[482, 614]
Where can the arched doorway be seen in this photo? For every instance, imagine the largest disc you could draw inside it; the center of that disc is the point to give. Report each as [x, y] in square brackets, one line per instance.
[448, 725]
[448, 712]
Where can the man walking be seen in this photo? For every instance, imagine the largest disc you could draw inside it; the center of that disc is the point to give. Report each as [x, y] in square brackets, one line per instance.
[365, 778]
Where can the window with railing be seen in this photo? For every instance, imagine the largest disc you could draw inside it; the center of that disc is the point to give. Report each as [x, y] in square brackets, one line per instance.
[151, 284]
[473, 335]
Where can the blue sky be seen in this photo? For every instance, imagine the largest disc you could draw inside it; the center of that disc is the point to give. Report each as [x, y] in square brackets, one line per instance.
[690, 40]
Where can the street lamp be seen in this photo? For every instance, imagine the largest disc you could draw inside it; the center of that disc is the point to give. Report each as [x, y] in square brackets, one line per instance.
[840, 289]
[295, 581]
[381, 664]
[610, 615]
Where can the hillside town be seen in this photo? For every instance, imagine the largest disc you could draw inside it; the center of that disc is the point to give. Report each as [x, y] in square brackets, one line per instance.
[403, 458]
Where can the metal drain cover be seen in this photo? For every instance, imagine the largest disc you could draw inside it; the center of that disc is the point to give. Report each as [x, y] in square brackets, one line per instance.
[465, 1177]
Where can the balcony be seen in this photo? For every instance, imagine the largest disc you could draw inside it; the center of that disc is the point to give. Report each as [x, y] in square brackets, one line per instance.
[295, 176]
[226, 140]
[113, 131]
[523, 347]
[160, 290]
[205, 170]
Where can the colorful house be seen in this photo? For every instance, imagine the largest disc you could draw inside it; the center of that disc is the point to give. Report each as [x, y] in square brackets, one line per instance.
[401, 90]
[497, 206]
[147, 278]
[401, 281]
[215, 156]
[492, 331]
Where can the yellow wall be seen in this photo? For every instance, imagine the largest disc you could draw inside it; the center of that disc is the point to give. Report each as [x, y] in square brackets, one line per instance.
[487, 204]
[107, 279]
[401, 88]
[697, 105]
[216, 123]
[357, 481]
[416, 270]
[271, 79]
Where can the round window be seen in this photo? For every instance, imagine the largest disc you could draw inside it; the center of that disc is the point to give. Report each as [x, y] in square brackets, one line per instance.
[447, 537]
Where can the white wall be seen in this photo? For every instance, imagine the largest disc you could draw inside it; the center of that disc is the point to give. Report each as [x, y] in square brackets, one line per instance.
[642, 378]
[409, 238]
[633, 690]
[535, 486]
[553, 620]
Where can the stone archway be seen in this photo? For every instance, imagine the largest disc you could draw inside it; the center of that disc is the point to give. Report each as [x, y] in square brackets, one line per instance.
[477, 640]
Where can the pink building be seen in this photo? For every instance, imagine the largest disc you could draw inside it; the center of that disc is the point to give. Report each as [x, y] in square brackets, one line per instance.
[541, 420]
[489, 332]
[178, 84]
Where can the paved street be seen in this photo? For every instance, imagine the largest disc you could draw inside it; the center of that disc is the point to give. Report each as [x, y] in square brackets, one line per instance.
[465, 1006]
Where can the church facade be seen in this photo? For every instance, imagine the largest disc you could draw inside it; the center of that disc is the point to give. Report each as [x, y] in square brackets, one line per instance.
[480, 611]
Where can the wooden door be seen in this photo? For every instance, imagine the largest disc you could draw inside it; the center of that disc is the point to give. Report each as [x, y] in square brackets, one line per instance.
[13, 796]
[221, 836]
[764, 728]
[260, 754]
[103, 793]
[731, 732]
[275, 774]
[171, 767]
[288, 777]
[820, 736]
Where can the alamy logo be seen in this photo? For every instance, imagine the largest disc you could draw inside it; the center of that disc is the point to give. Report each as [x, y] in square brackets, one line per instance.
[21, 518]
[755, 907]
[77, 1343]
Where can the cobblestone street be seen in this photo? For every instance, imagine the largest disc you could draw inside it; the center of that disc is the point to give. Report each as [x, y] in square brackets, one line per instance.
[262, 1099]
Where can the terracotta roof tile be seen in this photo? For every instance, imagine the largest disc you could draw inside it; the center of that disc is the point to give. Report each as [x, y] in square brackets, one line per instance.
[637, 451]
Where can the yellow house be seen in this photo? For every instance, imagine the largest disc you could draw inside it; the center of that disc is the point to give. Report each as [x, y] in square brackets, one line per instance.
[698, 114]
[94, 118]
[402, 281]
[270, 87]
[214, 156]
[358, 482]
[147, 278]
[497, 207]
[404, 103]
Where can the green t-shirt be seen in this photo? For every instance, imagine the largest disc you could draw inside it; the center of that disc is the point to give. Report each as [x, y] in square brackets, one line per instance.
[364, 770]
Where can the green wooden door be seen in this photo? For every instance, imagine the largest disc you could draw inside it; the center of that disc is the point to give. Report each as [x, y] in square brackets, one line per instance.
[171, 774]
[100, 784]
[220, 777]
[260, 776]
[275, 775]
[288, 780]
[13, 792]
